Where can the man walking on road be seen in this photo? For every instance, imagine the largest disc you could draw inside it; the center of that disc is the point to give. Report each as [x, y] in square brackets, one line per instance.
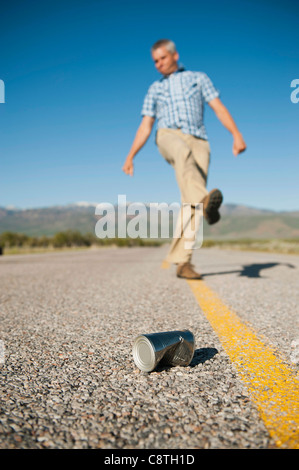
[177, 102]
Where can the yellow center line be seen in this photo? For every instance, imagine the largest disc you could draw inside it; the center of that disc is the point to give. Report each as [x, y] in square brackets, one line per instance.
[165, 265]
[272, 384]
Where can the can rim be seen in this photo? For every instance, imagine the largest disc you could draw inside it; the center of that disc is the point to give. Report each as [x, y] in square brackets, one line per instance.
[144, 365]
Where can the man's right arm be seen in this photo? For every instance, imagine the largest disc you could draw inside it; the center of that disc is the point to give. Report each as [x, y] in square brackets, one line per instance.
[142, 134]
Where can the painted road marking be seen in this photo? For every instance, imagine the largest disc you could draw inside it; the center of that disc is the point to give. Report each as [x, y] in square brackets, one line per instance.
[272, 385]
[165, 265]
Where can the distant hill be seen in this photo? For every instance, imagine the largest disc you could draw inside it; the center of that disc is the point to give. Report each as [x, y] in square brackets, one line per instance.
[248, 222]
[48, 220]
[236, 222]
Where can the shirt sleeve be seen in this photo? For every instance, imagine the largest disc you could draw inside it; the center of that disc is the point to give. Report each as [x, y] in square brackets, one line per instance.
[209, 92]
[149, 103]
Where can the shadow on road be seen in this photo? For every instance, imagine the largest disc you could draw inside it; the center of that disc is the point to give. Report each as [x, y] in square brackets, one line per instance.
[202, 355]
[252, 270]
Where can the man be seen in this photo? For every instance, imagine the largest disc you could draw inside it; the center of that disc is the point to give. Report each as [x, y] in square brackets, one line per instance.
[177, 102]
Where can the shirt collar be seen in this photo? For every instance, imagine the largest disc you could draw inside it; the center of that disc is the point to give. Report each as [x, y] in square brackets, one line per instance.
[181, 68]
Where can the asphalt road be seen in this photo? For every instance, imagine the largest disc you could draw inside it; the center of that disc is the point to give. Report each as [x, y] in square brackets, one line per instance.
[68, 322]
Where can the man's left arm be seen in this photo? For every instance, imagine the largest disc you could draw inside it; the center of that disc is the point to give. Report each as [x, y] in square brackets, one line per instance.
[226, 119]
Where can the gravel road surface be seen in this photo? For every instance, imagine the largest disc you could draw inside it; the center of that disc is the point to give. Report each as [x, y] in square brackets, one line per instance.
[68, 322]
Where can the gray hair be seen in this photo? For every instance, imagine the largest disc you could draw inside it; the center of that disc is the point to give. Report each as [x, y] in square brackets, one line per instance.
[170, 45]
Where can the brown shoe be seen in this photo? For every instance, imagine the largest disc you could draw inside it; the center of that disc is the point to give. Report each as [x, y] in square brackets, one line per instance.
[211, 204]
[186, 271]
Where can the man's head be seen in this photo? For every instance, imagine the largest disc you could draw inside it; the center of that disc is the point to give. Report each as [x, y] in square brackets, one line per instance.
[165, 56]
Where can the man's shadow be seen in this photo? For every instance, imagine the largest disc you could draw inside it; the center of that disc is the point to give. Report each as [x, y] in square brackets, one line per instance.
[252, 270]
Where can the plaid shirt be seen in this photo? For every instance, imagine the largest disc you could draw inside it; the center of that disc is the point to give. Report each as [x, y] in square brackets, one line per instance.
[177, 101]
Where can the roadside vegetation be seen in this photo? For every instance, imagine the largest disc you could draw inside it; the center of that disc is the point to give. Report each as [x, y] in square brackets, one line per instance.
[11, 242]
[14, 243]
[275, 245]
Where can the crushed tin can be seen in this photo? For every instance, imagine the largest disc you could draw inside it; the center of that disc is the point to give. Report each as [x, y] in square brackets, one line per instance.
[170, 348]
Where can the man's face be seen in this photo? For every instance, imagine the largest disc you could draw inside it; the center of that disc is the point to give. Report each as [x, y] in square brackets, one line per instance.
[165, 61]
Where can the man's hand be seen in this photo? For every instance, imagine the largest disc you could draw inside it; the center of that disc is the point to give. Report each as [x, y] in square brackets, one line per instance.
[226, 119]
[142, 134]
[128, 167]
[238, 145]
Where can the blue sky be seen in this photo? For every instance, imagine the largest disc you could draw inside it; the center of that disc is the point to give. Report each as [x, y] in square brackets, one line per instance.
[76, 73]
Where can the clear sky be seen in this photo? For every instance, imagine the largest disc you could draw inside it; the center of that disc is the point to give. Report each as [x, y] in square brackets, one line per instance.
[76, 73]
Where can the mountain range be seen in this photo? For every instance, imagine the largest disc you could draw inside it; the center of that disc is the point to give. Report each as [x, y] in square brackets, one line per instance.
[237, 221]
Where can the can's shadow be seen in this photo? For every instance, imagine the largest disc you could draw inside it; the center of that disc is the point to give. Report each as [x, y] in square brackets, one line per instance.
[199, 357]
[202, 355]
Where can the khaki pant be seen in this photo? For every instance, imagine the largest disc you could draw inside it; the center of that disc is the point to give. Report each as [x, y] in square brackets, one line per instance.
[190, 157]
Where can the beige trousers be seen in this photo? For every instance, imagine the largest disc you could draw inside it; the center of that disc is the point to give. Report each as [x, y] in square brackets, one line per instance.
[190, 158]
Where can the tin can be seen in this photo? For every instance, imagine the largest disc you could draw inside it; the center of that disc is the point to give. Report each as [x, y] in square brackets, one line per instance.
[170, 348]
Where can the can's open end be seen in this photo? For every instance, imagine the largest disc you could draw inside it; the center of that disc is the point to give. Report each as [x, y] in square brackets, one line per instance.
[144, 354]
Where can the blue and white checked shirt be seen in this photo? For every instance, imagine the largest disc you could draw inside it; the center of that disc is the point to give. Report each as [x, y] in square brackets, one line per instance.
[177, 101]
